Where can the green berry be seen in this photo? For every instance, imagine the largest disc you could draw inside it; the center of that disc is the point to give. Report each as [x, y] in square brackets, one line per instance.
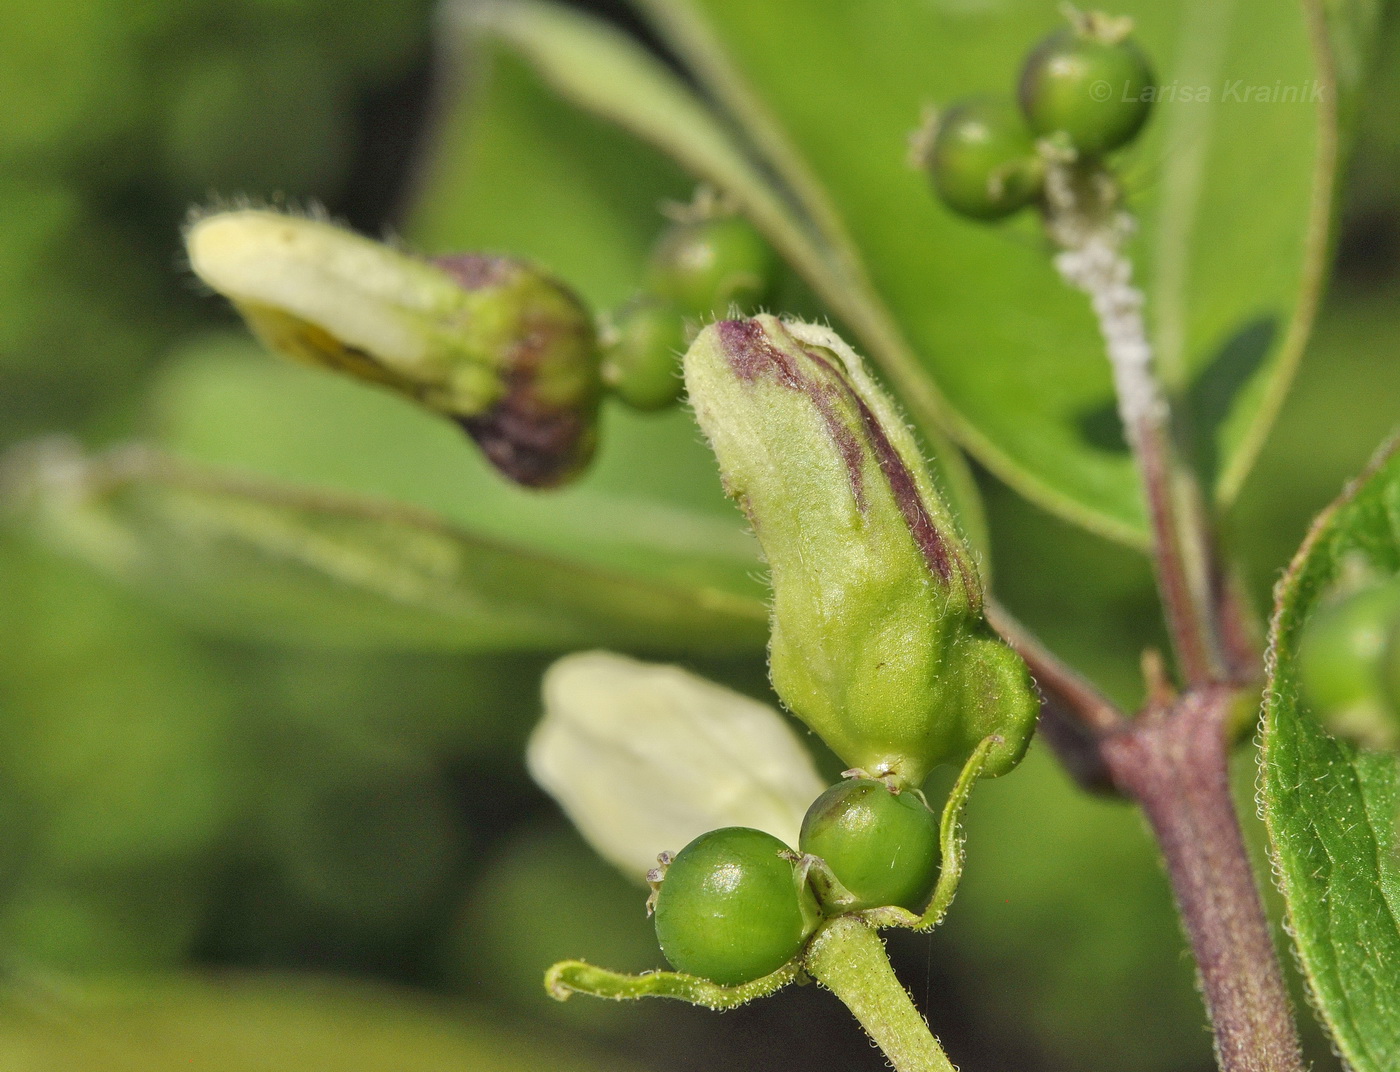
[732, 907]
[1342, 646]
[882, 845]
[641, 356]
[704, 266]
[983, 162]
[1090, 89]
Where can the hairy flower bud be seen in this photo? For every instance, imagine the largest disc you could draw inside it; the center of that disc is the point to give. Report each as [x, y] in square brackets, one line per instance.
[878, 642]
[645, 758]
[493, 343]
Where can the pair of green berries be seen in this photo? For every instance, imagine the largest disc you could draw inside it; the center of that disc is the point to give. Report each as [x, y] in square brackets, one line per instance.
[1086, 88]
[697, 270]
[1349, 664]
[735, 904]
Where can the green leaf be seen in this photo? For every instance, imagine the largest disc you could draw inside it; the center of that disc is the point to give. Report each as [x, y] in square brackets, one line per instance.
[650, 506]
[1330, 807]
[513, 168]
[266, 1024]
[519, 169]
[1008, 359]
[1351, 30]
[608, 73]
[302, 565]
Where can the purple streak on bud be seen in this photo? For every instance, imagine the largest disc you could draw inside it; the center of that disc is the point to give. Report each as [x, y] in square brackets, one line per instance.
[533, 450]
[528, 434]
[476, 271]
[751, 355]
[911, 504]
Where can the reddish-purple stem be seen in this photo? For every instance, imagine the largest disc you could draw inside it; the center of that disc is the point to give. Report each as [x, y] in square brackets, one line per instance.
[1174, 763]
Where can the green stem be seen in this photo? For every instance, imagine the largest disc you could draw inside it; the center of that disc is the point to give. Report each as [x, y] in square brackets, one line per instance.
[848, 958]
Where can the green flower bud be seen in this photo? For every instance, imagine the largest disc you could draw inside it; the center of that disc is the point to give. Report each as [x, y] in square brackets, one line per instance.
[492, 343]
[878, 641]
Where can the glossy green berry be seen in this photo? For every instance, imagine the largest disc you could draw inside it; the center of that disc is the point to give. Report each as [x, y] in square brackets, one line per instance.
[881, 845]
[983, 162]
[704, 266]
[1090, 89]
[731, 908]
[641, 354]
[1342, 645]
[1349, 665]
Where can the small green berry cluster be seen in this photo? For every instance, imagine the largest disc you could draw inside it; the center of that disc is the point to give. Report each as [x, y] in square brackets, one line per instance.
[1084, 91]
[707, 260]
[1349, 663]
[737, 904]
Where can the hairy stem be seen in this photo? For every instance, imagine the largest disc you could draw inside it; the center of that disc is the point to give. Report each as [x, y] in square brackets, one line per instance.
[848, 958]
[1057, 680]
[1074, 714]
[1174, 763]
[1083, 220]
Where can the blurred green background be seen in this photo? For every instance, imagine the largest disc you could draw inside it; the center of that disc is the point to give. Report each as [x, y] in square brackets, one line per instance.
[222, 852]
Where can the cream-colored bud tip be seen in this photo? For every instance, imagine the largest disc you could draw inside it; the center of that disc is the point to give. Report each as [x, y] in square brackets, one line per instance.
[236, 253]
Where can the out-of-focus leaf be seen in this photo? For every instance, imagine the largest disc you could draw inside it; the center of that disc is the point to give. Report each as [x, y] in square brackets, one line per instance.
[545, 898]
[303, 565]
[360, 836]
[267, 1025]
[71, 78]
[609, 75]
[514, 168]
[1331, 807]
[103, 923]
[118, 773]
[1349, 369]
[113, 726]
[645, 508]
[1352, 29]
[1008, 357]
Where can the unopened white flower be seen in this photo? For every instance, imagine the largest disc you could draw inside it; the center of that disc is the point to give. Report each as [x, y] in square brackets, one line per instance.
[494, 343]
[644, 758]
[315, 290]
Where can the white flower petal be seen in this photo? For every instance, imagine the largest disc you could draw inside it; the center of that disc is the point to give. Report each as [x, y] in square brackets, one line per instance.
[643, 758]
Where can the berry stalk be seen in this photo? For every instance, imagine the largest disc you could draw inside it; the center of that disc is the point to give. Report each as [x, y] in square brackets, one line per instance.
[848, 958]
